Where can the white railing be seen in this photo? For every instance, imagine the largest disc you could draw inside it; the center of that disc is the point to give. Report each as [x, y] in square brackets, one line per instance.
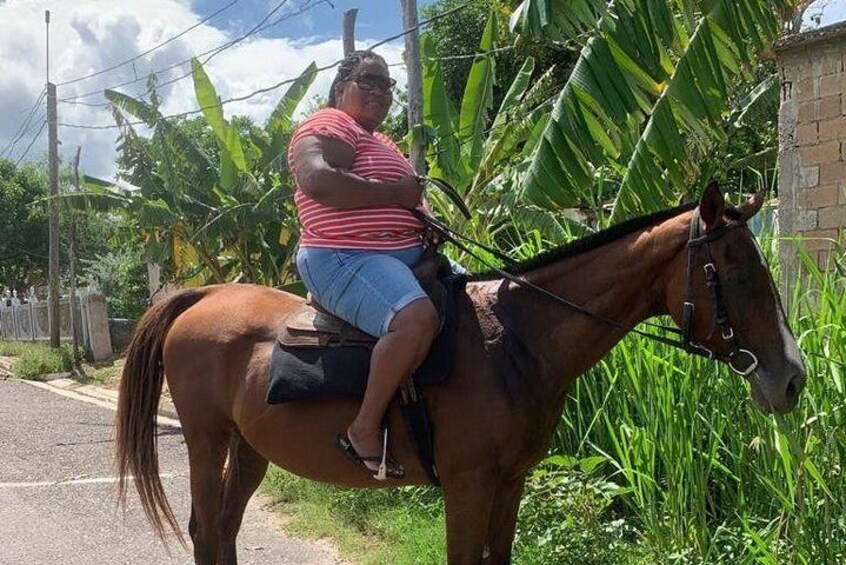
[26, 318]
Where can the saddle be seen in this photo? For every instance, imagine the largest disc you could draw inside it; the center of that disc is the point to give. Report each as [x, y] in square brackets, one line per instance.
[317, 355]
[312, 326]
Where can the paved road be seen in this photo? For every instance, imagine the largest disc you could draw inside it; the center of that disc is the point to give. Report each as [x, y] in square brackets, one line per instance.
[45, 438]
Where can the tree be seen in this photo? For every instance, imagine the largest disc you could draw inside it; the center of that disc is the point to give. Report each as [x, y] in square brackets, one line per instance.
[23, 226]
[649, 99]
[213, 198]
[479, 147]
[457, 37]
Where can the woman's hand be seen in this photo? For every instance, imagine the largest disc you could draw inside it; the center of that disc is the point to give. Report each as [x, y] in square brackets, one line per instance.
[409, 191]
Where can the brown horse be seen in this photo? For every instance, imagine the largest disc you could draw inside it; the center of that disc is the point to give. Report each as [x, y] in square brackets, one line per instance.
[517, 354]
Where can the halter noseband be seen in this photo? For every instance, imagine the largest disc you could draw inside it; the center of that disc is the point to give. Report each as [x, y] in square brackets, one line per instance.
[697, 241]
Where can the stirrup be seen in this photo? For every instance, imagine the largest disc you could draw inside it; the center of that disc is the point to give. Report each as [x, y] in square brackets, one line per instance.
[383, 466]
[388, 467]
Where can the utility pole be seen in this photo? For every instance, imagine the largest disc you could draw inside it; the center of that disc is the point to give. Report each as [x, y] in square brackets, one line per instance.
[53, 171]
[415, 86]
[349, 30]
[72, 259]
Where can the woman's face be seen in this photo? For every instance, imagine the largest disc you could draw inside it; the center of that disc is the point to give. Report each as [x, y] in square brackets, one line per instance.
[367, 95]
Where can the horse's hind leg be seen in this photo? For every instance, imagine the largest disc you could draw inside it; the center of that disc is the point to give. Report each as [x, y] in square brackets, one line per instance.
[244, 473]
[206, 455]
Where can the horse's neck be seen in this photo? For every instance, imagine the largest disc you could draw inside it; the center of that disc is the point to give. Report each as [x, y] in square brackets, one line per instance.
[624, 280]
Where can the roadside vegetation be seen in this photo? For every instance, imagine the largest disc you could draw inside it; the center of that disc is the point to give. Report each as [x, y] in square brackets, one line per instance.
[34, 360]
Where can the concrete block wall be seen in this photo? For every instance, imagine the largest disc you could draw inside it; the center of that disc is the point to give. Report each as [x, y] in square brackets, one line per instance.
[812, 137]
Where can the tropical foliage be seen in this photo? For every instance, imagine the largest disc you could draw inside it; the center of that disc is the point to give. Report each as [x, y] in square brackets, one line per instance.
[208, 211]
[456, 40]
[23, 245]
[482, 152]
[648, 99]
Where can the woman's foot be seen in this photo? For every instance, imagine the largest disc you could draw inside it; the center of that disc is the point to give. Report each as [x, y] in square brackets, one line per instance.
[370, 451]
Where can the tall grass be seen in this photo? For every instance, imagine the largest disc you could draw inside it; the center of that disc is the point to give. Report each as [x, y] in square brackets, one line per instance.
[710, 478]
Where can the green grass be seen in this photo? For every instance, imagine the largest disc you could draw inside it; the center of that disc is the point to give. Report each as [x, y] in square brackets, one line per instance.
[105, 374]
[659, 458]
[370, 526]
[15, 348]
[33, 360]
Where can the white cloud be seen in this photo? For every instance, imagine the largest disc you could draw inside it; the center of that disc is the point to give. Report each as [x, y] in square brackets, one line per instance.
[88, 36]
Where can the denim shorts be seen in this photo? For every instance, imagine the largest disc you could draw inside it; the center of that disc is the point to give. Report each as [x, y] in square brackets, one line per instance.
[363, 287]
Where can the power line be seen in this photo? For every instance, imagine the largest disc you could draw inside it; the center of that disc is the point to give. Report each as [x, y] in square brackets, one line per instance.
[255, 29]
[147, 52]
[423, 24]
[279, 84]
[457, 57]
[20, 132]
[213, 51]
[28, 147]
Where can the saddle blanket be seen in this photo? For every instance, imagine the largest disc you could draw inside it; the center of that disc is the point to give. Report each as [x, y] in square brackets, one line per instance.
[300, 373]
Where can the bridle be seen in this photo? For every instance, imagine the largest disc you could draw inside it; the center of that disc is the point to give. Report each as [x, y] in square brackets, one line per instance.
[697, 243]
[700, 242]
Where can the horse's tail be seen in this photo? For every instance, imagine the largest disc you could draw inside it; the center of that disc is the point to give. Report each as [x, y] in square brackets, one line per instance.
[140, 389]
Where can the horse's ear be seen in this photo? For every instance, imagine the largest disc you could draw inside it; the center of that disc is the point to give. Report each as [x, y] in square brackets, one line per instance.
[712, 206]
[752, 205]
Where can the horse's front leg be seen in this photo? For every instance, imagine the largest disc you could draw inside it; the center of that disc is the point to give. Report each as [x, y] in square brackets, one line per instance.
[468, 498]
[504, 519]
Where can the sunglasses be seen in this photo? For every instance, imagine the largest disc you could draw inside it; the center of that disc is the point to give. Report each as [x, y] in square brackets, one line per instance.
[368, 83]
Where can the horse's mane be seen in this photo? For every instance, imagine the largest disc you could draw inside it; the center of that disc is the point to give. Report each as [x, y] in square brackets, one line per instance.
[587, 243]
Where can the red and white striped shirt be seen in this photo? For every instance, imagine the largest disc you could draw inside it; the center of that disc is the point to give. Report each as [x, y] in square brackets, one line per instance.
[377, 158]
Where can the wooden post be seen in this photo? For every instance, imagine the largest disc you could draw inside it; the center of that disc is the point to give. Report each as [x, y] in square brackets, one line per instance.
[349, 30]
[53, 173]
[72, 259]
[53, 170]
[414, 67]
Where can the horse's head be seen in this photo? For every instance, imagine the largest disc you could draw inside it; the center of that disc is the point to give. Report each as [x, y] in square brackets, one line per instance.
[737, 313]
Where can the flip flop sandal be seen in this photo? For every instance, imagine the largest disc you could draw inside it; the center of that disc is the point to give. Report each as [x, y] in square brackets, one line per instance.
[388, 467]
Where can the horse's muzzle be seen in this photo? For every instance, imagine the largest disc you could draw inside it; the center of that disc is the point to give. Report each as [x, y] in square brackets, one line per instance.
[778, 395]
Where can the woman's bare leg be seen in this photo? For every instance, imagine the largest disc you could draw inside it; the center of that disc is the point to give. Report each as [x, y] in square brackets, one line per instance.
[395, 357]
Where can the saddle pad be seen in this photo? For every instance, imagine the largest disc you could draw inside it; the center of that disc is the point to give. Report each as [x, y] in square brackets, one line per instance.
[300, 373]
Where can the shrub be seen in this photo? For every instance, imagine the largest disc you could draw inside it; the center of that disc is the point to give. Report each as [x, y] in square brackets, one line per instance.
[34, 360]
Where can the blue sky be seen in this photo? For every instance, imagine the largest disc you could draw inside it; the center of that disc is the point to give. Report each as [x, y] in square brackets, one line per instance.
[376, 18]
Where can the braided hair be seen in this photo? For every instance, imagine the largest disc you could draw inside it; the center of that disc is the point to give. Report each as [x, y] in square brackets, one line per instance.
[347, 67]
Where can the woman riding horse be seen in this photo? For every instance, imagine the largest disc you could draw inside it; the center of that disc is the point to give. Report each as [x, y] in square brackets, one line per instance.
[359, 240]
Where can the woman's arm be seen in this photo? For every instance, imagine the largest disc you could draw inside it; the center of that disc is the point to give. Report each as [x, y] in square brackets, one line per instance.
[323, 166]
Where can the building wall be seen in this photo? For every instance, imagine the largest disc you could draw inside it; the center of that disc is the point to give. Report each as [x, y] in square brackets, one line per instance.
[812, 135]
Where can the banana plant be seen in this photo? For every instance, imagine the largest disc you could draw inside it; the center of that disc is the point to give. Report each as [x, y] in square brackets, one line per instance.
[477, 154]
[649, 97]
[208, 216]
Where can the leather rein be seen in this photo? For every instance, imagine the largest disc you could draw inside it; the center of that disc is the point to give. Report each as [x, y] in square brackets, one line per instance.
[697, 243]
